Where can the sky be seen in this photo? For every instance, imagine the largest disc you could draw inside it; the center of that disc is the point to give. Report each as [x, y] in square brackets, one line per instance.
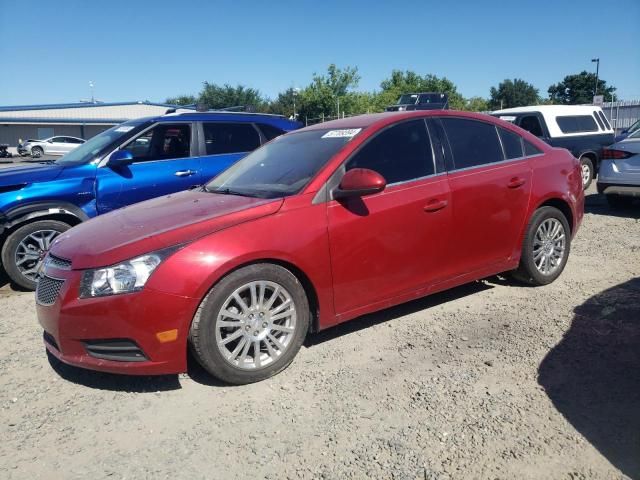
[151, 50]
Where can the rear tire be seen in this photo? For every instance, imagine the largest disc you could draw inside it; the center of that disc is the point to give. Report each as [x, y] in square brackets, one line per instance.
[37, 152]
[545, 248]
[619, 201]
[251, 324]
[587, 171]
[29, 244]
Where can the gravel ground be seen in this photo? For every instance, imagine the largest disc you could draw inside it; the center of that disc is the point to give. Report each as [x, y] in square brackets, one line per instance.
[490, 380]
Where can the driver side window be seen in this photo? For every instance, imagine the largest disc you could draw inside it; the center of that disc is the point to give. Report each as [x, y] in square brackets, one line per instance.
[162, 142]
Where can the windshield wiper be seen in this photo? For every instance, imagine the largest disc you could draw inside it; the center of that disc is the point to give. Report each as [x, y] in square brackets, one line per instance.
[228, 191]
[47, 162]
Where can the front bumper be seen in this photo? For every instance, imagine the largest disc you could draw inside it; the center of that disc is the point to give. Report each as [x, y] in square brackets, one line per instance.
[73, 327]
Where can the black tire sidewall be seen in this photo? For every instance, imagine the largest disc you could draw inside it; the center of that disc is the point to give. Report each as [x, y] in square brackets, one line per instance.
[587, 161]
[202, 333]
[13, 240]
[527, 270]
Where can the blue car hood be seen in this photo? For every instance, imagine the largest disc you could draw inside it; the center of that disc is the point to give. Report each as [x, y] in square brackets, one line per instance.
[28, 174]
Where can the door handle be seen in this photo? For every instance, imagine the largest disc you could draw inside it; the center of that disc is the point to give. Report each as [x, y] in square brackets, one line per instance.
[185, 173]
[515, 182]
[435, 205]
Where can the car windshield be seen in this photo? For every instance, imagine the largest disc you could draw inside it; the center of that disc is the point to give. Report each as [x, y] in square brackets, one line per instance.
[86, 152]
[634, 128]
[282, 167]
[408, 99]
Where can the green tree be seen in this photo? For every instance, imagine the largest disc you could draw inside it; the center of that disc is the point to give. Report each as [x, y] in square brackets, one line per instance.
[513, 93]
[410, 82]
[225, 96]
[182, 100]
[476, 104]
[578, 89]
[330, 93]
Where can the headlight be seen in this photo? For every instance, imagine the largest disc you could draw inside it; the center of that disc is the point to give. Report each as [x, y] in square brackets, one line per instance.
[126, 277]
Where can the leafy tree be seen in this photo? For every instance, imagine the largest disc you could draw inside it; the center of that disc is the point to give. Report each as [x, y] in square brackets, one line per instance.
[476, 104]
[513, 93]
[329, 94]
[182, 100]
[410, 82]
[225, 96]
[577, 89]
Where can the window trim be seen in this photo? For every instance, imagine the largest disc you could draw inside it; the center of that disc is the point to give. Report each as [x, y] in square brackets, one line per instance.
[203, 146]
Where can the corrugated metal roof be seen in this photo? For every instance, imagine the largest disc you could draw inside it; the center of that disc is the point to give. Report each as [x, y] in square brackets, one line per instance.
[83, 112]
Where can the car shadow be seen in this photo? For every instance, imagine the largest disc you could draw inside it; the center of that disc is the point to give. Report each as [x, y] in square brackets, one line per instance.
[383, 316]
[596, 204]
[593, 375]
[112, 381]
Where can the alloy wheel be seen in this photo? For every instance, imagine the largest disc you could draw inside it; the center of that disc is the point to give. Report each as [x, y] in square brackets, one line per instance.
[255, 325]
[32, 250]
[549, 246]
[586, 174]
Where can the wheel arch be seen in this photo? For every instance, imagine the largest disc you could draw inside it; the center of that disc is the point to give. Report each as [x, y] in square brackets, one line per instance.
[24, 214]
[561, 205]
[301, 276]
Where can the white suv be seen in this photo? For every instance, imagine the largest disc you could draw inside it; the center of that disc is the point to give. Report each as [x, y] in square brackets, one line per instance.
[582, 129]
[50, 146]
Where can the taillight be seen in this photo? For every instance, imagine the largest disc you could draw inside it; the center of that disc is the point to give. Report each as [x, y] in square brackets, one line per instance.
[613, 154]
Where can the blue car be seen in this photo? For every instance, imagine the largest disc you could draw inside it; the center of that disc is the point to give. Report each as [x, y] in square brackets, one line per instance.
[129, 163]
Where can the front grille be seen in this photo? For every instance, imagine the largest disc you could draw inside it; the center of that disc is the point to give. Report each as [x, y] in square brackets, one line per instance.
[117, 350]
[50, 340]
[47, 290]
[57, 262]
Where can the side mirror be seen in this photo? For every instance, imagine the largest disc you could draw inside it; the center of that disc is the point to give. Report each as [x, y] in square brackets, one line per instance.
[50, 141]
[120, 158]
[359, 182]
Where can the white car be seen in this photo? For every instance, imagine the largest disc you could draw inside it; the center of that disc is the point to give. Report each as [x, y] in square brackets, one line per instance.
[619, 177]
[50, 146]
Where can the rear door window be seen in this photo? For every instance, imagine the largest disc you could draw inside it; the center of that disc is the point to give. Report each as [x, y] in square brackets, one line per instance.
[600, 124]
[511, 143]
[220, 138]
[400, 153]
[473, 143]
[531, 149]
[604, 120]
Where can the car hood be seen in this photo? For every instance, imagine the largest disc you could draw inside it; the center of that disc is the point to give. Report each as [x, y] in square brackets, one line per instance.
[156, 224]
[22, 174]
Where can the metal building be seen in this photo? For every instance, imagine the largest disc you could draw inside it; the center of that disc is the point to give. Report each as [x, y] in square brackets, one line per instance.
[83, 120]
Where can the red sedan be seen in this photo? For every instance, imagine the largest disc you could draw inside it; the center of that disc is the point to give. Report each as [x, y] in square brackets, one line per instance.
[315, 228]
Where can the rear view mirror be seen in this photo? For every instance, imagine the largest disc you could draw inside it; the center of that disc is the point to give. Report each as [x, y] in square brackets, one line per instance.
[359, 182]
[120, 158]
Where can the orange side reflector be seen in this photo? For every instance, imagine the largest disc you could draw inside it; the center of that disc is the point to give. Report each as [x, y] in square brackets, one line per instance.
[167, 336]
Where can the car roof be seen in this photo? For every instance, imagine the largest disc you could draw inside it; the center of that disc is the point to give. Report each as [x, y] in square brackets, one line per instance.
[384, 118]
[551, 109]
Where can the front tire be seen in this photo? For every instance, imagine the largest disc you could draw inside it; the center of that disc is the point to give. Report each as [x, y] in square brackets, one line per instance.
[37, 152]
[587, 172]
[24, 250]
[251, 324]
[545, 248]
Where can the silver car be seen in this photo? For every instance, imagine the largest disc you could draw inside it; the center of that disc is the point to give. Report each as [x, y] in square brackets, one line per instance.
[50, 146]
[619, 175]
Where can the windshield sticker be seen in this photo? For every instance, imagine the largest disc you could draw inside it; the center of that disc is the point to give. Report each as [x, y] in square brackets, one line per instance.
[508, 118]
[345, 133]
[124, 128]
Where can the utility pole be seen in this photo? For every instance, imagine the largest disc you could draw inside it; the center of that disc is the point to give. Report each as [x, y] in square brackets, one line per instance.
[597, 62]
[93, 100]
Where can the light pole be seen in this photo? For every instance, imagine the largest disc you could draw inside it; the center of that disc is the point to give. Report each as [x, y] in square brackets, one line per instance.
[597, 62]
[295, 94]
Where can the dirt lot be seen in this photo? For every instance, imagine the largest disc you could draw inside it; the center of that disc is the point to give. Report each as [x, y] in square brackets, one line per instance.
[491, 380]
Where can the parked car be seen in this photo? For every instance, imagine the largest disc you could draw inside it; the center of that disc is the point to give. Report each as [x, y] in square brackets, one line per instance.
[313, 229]
[134, 161]
[582, 129]
[420, 101]
[619, 177]
[49, 146]
[628, 131]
